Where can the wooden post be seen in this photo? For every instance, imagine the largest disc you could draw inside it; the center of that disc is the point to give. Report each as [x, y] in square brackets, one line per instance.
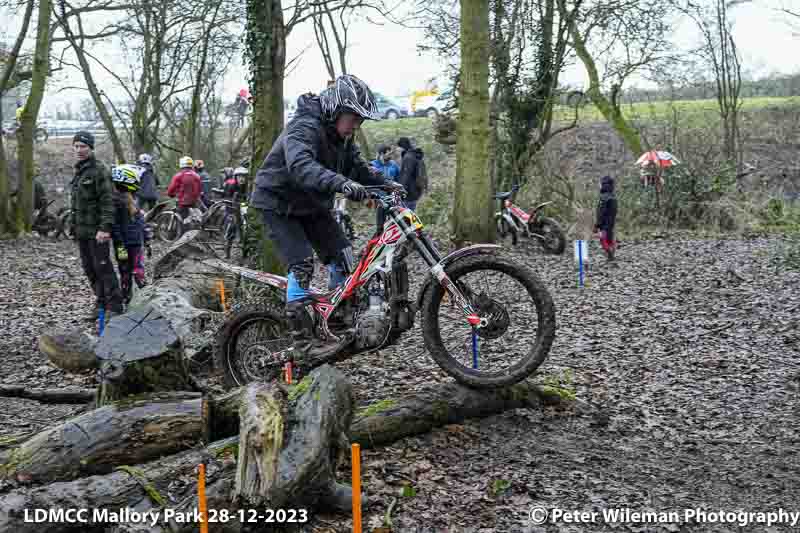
[356, 462]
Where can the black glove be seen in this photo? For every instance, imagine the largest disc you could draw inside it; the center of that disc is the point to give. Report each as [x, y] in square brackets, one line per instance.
[354, 191]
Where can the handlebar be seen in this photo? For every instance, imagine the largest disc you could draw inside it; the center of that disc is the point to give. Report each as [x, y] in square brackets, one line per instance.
[387, 196]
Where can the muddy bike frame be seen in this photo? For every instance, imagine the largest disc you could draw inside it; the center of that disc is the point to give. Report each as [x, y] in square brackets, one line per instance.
[402, 226]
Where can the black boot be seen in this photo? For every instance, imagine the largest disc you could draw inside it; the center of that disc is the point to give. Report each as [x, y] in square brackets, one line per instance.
[306, 347]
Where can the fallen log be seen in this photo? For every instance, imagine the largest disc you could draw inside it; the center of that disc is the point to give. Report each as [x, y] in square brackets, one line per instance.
[62, 396]
[72, 351]
[177, 306]
[388, 421]
[165, 483]
[129, 431]
[290, 444]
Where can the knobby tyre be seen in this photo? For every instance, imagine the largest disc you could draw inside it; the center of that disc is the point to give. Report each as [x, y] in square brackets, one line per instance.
[168, 227]
[250, 343]
[554, 240]
[533, 353]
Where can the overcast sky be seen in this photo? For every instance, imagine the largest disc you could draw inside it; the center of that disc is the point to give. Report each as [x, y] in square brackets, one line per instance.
[386, 57]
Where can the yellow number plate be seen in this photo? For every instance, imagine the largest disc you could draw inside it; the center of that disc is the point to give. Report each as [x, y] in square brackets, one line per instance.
[413, 220]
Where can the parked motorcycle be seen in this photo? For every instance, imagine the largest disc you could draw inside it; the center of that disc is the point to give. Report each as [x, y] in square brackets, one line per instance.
[515, 222]
[44, 221]
[487, 320]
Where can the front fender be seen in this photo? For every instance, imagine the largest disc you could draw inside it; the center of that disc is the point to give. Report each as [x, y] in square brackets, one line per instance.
[430, 279]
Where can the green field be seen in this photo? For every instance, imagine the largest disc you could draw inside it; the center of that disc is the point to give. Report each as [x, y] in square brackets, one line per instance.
[420, 128]
[663, 108]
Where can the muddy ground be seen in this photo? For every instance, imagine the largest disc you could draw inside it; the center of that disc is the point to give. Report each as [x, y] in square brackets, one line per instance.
[684, 362]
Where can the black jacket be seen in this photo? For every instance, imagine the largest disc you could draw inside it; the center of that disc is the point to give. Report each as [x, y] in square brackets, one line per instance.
[307, 165]
[408, 173]
[607, 207]
[148, 190]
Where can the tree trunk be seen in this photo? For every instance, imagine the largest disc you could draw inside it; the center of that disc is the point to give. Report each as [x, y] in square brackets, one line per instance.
[8, 71]
[161, 483]
[184, 293]
[472, 214]
[289, 446]
[266, 50]
[129, 431]
[139, 352]
[388, 421]
[608, 108]
[194, 115]
[41, 66]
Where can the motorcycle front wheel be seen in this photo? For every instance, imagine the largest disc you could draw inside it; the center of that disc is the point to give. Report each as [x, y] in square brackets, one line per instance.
[551, 235]
[518, 322]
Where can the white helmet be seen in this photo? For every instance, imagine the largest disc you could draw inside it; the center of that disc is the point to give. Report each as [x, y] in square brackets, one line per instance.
[186, 162]
[146, 159]
[348, 93]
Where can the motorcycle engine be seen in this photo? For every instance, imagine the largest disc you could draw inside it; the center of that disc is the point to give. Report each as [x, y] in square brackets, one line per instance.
[374, 318]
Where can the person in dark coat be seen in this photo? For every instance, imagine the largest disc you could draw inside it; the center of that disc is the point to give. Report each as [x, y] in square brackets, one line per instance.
[148, 192]
[313, 158]
[409, 167]
[607, 216]
[92, 218]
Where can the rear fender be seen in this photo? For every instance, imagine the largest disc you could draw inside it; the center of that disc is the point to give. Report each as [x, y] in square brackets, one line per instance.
[262, 278]
[442, 265]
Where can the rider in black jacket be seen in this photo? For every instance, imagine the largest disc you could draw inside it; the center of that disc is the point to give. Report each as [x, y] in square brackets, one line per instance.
[313, 158]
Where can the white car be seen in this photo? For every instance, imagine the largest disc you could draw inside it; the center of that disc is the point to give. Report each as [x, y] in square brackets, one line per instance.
[431, 106]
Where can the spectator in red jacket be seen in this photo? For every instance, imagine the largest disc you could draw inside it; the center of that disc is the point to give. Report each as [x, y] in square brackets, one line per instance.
[187, 186]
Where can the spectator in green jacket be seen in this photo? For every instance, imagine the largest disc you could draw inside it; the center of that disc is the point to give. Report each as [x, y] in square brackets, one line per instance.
[93, 216]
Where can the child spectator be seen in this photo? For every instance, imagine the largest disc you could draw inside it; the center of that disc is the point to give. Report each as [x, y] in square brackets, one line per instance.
[128, 230]
[607, 216]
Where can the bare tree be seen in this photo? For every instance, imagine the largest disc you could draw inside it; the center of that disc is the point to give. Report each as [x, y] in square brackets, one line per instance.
[719, 52]
[10, 78]
[78, 43]
[623, 37]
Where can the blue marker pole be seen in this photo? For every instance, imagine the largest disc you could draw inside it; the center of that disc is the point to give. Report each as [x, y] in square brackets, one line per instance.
[580, 262]
[101, 316]
[474, 347]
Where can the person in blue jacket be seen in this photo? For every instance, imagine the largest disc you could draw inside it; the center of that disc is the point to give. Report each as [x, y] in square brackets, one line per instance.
[384, 164]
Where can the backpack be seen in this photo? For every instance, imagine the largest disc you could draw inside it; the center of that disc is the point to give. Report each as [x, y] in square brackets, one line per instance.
[422, 173]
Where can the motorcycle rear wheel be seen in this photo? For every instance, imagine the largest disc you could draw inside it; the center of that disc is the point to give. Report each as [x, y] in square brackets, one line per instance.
[251, 343]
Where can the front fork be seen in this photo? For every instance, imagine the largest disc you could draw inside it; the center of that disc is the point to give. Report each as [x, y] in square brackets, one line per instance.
[427, 249]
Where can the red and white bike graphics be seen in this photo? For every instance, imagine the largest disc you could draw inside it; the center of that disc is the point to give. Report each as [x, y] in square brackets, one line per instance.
[372, 308]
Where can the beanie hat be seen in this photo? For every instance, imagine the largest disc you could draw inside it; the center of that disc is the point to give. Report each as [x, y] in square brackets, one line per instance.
[404, 143]
[85, 137]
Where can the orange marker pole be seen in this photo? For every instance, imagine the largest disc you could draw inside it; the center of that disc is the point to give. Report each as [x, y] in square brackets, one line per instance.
[287, 370]
[356, 461]
[201, 498]
[221, 286]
